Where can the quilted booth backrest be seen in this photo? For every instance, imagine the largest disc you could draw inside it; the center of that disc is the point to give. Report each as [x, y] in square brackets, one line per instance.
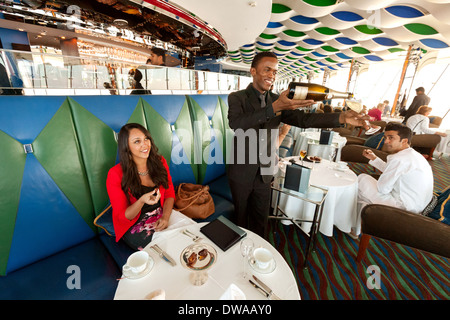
[210, 130]
[55, 156]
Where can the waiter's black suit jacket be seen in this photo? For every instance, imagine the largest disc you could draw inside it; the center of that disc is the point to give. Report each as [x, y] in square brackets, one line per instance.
[418, 101]
[245, 113]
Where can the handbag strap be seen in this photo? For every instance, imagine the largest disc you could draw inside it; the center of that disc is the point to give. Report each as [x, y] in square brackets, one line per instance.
[196, 195]
[98, 217]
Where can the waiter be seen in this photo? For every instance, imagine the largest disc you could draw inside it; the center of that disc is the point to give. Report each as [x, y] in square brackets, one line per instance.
[421, 99]
[255, 115]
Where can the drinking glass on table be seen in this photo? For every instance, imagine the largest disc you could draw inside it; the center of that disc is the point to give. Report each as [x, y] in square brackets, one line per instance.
[302, 155]
[247, 246]
[331, 155]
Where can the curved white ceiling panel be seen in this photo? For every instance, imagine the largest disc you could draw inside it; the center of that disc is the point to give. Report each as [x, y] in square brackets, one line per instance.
[314, 35]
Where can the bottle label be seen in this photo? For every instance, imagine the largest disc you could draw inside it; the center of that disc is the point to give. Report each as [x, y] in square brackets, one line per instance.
[300, 93]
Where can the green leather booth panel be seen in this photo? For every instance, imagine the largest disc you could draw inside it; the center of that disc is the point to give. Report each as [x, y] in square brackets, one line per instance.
[46, 204]
[209, 136]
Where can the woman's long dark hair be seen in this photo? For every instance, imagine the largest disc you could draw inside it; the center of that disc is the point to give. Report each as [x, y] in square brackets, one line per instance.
[131, 183]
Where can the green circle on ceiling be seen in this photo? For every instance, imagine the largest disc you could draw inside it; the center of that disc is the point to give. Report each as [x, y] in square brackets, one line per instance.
[294, 33]
[280, 8]
[327, 31]
[321, 3]
[267, 36]
[420, 28]
[330, 49]
[360, 50]
[368, 29]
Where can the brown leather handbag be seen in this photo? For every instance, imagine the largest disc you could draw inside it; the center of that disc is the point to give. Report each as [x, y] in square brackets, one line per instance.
[194, 201]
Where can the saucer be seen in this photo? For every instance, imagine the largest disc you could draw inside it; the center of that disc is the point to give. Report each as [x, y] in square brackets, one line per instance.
[141, 274]
[372, 131]
[342, 169]
[269, 269]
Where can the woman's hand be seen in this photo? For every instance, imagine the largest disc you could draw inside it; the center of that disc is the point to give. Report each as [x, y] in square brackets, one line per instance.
[151, 198]
[162, 223]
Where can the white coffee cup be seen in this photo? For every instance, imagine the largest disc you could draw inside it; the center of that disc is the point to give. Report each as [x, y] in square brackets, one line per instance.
[263, 258]
[136, 262]
[342, 165]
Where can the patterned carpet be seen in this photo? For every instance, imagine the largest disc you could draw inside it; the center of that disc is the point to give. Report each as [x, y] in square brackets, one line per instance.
[334, 274]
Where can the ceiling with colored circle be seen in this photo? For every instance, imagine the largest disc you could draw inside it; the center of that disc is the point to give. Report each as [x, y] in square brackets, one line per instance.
[316, 35]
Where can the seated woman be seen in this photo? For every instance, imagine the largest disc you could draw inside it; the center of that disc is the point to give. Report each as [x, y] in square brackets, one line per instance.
[375, 113]
[420, 123]
[139, 187]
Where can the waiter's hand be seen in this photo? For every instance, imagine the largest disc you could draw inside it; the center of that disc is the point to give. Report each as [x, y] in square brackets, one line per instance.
[284, 103]
[354, 118]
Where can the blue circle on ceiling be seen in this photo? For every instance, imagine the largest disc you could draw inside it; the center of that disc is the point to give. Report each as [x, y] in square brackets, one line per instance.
[304, 20]
[385, 41]
[274, 25]
[318, 54]
[343, 56]
[346, 41]
[434, 43]
[287, 43]
[373, 58]
[347, 16]
[264, 44]
[404, 11]
[313, 42]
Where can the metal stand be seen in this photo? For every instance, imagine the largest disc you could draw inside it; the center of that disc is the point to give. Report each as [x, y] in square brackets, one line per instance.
[315, 221]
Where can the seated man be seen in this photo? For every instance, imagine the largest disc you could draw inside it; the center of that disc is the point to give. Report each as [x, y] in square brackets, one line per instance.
[406, 181]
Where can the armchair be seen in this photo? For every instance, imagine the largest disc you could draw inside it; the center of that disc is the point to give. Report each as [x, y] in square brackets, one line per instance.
[425, 143]
[353, 153]
[407, 228]
[435, 121]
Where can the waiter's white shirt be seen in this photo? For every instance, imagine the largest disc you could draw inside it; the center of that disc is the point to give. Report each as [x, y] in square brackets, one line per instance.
[419, 124]
[407, 177]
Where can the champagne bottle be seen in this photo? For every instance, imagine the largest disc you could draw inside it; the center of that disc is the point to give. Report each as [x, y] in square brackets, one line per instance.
[316, 92]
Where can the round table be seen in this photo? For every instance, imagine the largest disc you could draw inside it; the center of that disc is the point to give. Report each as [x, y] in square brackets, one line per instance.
[340, 206]
[227, 270]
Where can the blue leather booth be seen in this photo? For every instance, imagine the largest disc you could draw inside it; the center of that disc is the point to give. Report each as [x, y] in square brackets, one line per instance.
[56, 153]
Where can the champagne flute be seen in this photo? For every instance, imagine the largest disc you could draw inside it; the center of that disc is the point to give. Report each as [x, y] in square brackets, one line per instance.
[247, 246]
[302, 155]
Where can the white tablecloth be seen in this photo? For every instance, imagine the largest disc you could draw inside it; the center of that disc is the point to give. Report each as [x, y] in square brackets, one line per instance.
[227, 270]
[392, 119]
[340, 206]
[309, 141]
[444, 145]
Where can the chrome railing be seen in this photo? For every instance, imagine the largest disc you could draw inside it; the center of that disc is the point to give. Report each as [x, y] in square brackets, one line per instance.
[34, 73]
